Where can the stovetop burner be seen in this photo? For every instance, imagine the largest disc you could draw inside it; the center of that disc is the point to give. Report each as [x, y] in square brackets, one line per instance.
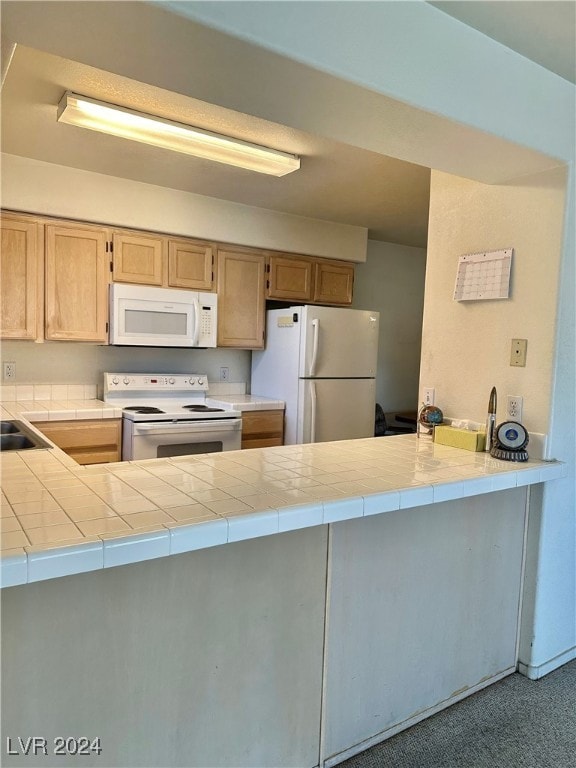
[203, 408]
[143, 409]
[151, 397]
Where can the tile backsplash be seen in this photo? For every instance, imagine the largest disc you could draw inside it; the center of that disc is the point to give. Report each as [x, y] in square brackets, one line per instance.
[10, 393]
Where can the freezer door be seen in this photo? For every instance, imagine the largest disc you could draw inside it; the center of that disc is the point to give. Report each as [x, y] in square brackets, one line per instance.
[275, 369]
[338, 343]
[335, 409]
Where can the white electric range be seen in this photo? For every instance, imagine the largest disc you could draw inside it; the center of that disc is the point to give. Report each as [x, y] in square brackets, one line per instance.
[166, 415]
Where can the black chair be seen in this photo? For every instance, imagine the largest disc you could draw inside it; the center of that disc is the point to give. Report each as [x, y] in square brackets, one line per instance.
[381, 428]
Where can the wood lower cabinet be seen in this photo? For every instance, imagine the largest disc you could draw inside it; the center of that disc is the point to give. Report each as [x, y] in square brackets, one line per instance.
[85, 440]
[241, 298]
[21, 278]
[76, 275]
[262, 429]
[333, 282]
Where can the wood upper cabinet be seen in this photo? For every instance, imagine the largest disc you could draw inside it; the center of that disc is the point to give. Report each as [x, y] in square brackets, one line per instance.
[241, 298]
[190, 264]
[148, 259]
[76, 275]
[333, 282]
[309, 279]
[290, 278]
[138, 258]
[21, 278]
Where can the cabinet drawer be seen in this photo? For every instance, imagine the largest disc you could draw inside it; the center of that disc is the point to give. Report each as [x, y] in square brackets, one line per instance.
[87, 441]
[262, 442]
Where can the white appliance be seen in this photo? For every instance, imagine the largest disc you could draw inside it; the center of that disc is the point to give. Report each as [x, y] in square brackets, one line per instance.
[166, 415]
[322, 362]
[142, 315]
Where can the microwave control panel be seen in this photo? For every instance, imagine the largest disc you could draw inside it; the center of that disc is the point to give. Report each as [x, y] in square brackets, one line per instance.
[207, 303]
[207, 320]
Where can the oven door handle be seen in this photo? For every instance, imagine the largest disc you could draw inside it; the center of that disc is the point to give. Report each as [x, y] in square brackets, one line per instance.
[232, 425]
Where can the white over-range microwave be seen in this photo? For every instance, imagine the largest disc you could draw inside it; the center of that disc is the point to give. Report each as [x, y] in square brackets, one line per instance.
[145, 316]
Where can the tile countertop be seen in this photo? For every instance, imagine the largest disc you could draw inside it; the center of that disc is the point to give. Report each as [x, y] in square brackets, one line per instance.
[245, 403]
[59, 518]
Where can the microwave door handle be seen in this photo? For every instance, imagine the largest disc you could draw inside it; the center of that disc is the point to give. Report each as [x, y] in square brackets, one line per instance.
[315, 338]
[196, 336]
[313, 412]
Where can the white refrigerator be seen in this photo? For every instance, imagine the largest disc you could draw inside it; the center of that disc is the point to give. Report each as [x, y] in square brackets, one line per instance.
[322, 362]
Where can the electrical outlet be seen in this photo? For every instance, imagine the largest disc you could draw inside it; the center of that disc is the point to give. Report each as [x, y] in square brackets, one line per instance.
[514, 406]
[224, 374]
[9, 372]
[428, 395]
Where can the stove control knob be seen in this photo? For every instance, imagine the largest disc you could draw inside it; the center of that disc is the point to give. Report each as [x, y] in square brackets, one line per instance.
[200, 381]
[115, 380]
[192, 381]
[171, 380]
[126, 380]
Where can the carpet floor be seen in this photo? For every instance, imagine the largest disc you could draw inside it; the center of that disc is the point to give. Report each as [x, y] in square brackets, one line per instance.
[515, 723]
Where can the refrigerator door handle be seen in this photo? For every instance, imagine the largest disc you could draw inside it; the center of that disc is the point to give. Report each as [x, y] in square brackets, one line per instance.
[316, 334]
[313, 412]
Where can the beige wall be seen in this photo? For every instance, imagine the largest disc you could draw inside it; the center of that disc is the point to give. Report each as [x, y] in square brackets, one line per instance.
[55, 190]
[392, 283]
[63, 362]
[466, 345]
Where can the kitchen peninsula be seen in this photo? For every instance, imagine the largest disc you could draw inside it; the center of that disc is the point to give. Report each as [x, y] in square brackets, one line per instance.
[281, 606]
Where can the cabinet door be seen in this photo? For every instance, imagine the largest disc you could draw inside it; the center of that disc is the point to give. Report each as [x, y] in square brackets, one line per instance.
[290, 278]
[190, 264]
[76, 283]
[262, 429]
[241, 299]
[87, 441]
[333, 282]
[20, 272]
[138, 258]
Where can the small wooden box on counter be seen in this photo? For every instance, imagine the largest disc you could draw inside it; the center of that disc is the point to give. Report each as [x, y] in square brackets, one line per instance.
[469, 440]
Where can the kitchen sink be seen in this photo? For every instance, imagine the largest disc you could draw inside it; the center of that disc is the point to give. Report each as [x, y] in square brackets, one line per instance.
[16, 436]
[8, 427]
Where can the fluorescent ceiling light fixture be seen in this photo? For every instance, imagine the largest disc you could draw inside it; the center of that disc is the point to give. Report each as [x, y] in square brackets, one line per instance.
[128, 124]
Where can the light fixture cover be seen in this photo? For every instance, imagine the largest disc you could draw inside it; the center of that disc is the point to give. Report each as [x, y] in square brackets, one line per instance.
[167, 134]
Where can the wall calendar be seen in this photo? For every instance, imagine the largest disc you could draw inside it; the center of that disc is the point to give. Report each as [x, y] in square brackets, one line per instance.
[484, 275]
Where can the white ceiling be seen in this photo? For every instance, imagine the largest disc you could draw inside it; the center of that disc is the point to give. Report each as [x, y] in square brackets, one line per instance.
[337, 182]
[541, 30]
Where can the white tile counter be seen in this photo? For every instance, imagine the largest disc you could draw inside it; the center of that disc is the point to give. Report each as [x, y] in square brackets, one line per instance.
[245, 403]
[59, 518]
